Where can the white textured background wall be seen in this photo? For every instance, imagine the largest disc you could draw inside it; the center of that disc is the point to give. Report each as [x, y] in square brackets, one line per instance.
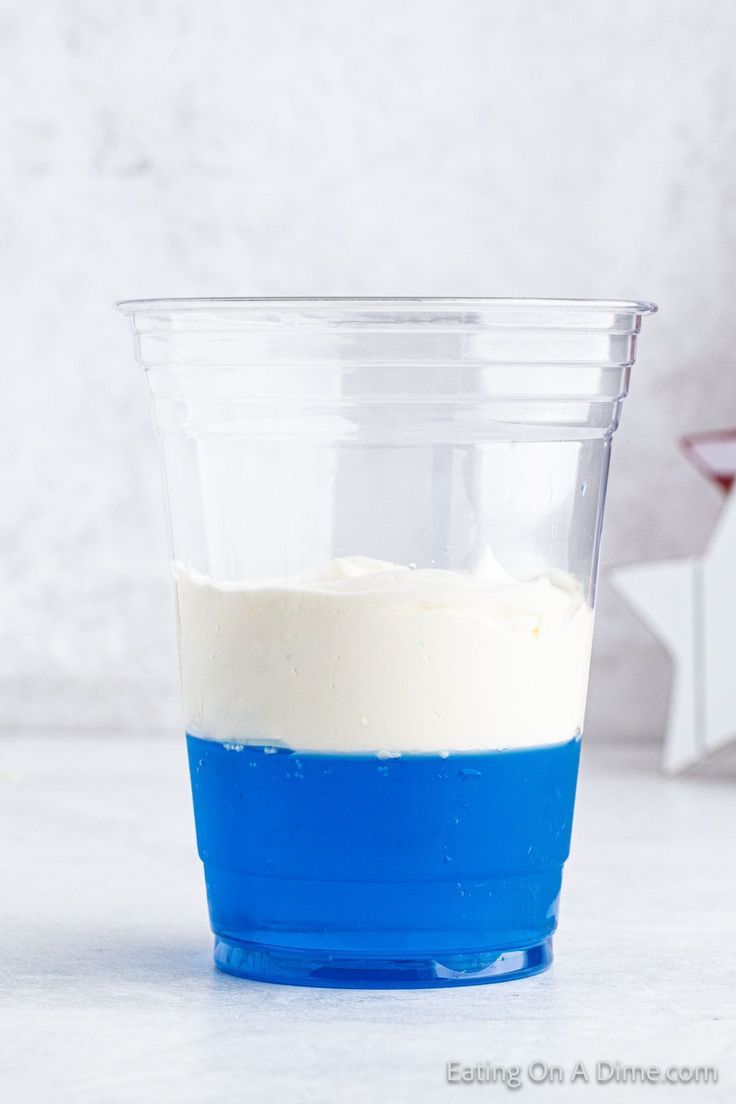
[465, 147]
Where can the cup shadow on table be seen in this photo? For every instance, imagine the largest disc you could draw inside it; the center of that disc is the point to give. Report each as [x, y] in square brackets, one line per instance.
[56, 960]
[103, 969]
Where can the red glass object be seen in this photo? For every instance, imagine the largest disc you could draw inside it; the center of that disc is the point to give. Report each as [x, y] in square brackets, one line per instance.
[713, 453]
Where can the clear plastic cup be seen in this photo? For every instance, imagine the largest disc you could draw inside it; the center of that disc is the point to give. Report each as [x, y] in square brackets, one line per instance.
[385, 519]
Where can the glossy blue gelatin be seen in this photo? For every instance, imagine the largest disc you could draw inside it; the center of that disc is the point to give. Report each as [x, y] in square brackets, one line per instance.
[350, 870]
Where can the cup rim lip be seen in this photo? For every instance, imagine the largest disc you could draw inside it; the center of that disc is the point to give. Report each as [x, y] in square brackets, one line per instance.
[390, 302]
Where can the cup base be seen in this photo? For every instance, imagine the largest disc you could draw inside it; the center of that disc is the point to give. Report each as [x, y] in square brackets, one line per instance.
[335, 970]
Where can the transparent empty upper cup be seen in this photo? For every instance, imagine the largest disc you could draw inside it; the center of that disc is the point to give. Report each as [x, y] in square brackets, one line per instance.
[385, 519]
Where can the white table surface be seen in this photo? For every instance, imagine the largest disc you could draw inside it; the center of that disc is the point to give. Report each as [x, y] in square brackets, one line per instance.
[108, 992]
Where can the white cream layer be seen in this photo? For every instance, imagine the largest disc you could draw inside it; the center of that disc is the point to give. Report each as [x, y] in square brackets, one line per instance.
[373, 656]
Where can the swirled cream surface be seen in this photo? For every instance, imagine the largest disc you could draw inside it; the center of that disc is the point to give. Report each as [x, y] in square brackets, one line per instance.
[370, 656]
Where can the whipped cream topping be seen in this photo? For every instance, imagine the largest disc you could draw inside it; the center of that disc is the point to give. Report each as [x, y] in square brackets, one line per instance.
[370, 656]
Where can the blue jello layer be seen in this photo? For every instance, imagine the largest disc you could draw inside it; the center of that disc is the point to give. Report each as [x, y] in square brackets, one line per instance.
[348, 869]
